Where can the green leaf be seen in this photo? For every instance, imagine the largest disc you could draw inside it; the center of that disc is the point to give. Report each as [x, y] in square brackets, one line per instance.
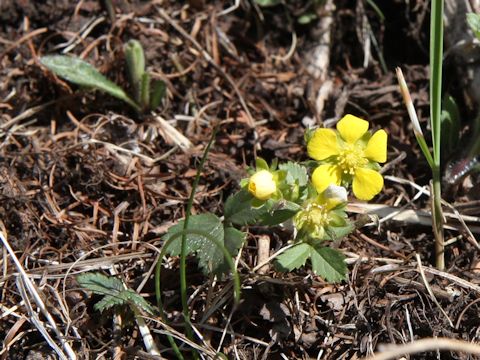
[100, 284]
[158, 91]
[210, 256]
[261, 164]
[234, 240]
[337, 232]
[328, 263]
[294, 257]
[109, 301]
[82, 73]
[114, 292]
[296, 173]
[307, 18]
[139, 301]
[239, 210]
[145, 91]
[473, 21]
[268, 3]
[135, 58]
[450, 122]
[280, 212]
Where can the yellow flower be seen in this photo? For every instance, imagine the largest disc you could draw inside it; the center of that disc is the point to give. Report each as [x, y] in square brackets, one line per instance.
[349, 154]
[319, 215]
[262, 185]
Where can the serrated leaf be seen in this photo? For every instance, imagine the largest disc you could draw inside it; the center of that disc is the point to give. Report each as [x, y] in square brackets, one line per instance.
[473, 21]
[328, 263]
[114, 292]
[239, 210]
[280, 212]
[342, 229]
[296, 173]
[82, 73]
[108, 302]
[294, 257]
[234, 240]
[136, 299]
[100, 284]
[210, 256]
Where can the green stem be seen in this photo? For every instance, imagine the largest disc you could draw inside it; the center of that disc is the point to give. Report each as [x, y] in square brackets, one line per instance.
[426, 151]
[158, 269]
[436, 58]
[183, 253]
[437, 213]
[209, 237]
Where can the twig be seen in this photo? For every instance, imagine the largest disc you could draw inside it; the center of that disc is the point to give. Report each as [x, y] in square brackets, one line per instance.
[428, 344]
[427, 286]
[459, 281]
[266, 261]
[263, 253]
[38, 300]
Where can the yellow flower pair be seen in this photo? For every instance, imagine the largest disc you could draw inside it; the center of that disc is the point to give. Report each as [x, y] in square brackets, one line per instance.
[349, 155]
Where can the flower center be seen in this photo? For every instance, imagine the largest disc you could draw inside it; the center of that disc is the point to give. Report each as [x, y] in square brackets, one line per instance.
[316, 214]
[350, 158]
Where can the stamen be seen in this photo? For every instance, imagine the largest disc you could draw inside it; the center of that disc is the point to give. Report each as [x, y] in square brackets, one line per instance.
[350, 159]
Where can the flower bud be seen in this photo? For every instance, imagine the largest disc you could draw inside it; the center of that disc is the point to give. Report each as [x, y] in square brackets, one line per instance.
[334, 195]
[262, 185]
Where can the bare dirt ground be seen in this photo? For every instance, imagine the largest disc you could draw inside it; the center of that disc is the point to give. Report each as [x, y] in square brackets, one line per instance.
[86, 183]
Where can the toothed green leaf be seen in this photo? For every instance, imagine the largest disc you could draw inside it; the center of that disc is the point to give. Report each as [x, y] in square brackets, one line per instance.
[114, 292]
[100, 284]
[202, 228]
[294, 257]
[328, 263]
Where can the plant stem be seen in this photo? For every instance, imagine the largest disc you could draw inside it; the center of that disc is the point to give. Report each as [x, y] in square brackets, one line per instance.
[437, 213]
[436, 58]
[183, 254]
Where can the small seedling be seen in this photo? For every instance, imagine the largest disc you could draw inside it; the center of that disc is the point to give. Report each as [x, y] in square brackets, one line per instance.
[147, 93]
[114, 293]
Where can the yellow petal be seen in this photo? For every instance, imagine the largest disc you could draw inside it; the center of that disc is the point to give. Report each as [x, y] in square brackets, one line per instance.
[352, 128]
[323, 144]
[325, 175]
[366, 183]
[376, 149]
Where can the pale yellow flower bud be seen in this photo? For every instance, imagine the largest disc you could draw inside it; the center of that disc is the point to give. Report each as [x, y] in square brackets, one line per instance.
[262, 185]
[335, 195]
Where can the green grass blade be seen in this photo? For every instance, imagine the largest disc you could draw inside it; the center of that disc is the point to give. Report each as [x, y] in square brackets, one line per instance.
[436, 59]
